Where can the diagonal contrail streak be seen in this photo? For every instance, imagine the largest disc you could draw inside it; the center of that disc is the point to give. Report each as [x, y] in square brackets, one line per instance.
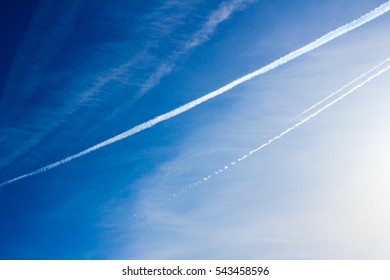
[293, 127]
[380, 10]
[339, 90]
[306, 119]
[318, 111]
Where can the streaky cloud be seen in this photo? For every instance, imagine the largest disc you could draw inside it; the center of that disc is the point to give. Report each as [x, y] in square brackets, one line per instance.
[27, 78]
[206, 31]
[380, 10]
[218, 16]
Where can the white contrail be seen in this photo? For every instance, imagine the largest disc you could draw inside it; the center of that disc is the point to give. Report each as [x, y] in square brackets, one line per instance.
[291, 128]
[338, 91]
[318, 111]
[380, 10]
[288, 130]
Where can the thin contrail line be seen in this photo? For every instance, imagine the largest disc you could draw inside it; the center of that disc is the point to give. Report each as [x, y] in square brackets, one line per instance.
[380, 10]
[338, 91]
[291, 128]
[318, 111]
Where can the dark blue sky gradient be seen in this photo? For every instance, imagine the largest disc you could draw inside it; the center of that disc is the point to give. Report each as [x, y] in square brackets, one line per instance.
[12, 16]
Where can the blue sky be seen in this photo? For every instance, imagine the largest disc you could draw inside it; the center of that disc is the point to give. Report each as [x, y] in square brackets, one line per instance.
[75, 74]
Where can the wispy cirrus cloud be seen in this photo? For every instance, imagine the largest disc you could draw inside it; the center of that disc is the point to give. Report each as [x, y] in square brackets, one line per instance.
[85, 87]
[200, 36]
[223, 13]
